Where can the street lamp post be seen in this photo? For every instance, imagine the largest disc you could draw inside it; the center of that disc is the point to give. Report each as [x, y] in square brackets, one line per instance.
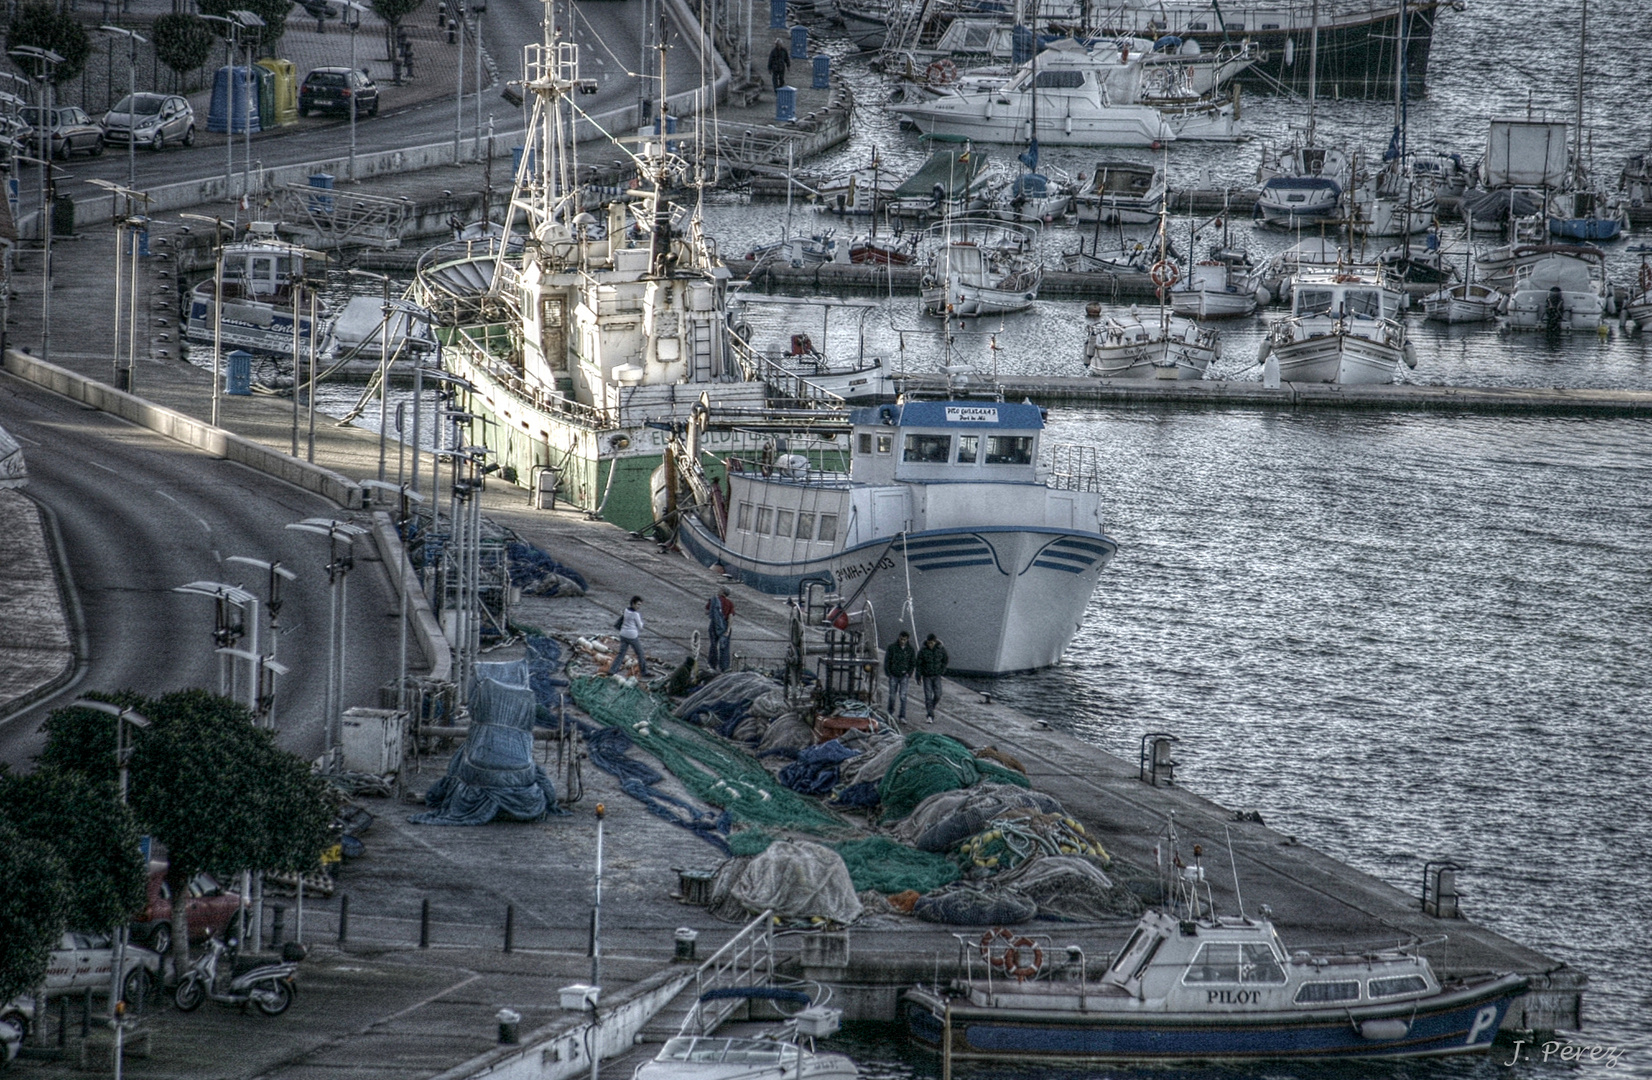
[249, 21]
[218, 310]
[384, 355]
[127, 225]
[338, 569]
[459, 85]
[46, 62]
[352, 10]
[226, 634]
[276, 574]
[133, 40]
[229, 110]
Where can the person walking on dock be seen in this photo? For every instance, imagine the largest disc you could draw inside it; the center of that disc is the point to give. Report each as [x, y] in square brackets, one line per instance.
[780, 58]
[720, 610]
[931, 665]
[898, 661]
[630, 634]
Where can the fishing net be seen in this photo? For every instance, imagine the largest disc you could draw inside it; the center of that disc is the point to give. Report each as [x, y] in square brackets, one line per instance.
[1019, 835]
[1071, 888]
[934, 763]
[715, 772]
[948, 818]
[881, 864]
[799, 880]
[964, 905]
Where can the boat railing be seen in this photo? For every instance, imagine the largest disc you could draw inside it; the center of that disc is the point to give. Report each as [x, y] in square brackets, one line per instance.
[1368, 948]
[483, 356]
[787, 389]
[745, 960]
[1074, 467]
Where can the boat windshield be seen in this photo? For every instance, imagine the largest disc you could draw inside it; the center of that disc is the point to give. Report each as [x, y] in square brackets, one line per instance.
[727, 1051]
[1366, 302]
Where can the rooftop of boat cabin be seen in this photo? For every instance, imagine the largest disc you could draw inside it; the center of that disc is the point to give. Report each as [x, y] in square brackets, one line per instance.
[952, 415]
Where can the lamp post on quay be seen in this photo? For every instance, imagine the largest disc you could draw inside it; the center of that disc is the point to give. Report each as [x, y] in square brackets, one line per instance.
[45, 62]
[338, 570]
[133, 40]
[217, 306]
[127, 224]
[225, 633]
[352, 10]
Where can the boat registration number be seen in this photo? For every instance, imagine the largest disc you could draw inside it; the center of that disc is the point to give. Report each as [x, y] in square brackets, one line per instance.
[856, 571]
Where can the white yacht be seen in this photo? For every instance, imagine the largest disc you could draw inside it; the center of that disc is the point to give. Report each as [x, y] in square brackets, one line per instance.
[1156, 345]
[1344, 327]
[978, 266]
[946, 523]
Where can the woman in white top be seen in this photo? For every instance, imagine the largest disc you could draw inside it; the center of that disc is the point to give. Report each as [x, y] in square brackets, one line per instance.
[630, 635]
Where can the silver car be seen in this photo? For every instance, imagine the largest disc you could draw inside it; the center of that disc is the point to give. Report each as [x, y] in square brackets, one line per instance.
[151, 120]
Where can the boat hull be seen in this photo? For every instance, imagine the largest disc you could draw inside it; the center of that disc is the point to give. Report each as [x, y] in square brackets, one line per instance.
[1004, 599]
[1345, 359]
[1459, 1022]
[1121, 125]
[1205, 304]
[252, 325]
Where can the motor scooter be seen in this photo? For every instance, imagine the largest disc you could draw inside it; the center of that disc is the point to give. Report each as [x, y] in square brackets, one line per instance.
[270, 987]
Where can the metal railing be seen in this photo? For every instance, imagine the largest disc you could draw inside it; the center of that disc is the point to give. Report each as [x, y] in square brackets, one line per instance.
[747, 959]
[1074, 467]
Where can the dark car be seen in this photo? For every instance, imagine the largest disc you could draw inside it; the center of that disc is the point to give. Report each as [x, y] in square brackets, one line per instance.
[332, 89]
[71, 129]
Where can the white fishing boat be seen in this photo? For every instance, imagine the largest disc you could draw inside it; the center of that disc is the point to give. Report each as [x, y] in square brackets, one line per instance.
[1067, 96]
[1120, 193]
[945, 523]
[1465, 303]
[1154, 345]
[1563, 290]
[784, 329]
[1273, 280]
[265, 289]
[1344, 327]
[1214, 289]
[979, 266]
[1637, 309]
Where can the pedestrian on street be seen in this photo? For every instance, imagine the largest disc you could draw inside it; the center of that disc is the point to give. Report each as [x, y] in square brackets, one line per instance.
[931, 665]
[898, 660]
[720, 610]
[780, 58]
[630, 636]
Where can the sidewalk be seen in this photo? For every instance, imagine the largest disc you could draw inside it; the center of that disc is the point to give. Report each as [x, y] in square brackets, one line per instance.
[36, 640]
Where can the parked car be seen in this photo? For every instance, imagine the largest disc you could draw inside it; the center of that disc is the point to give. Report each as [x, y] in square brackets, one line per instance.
[84, 961]
[151, 120]
[72, 131]
[333, 88]
[211, 910]
[11, 1037]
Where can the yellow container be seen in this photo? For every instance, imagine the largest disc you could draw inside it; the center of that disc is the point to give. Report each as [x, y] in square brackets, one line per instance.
[285, 83]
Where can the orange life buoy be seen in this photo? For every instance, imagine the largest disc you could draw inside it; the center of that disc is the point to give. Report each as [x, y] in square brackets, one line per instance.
[942, 72]
[995, 956]
[1165, 274]
[1012, 959]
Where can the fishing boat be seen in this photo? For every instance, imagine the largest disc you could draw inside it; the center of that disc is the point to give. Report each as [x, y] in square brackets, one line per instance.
[954, 180]
[1465, 303]
[1344, 327]
[1069, 95]
[979, 266]
[264, 291]
[1120, 193]
[606, 328]
[1194, 985]
[1586, 215]
[1214, 289]
[1161, 346]
[782, 329]
[945, 523]
[1637, 309]
[1564, 289]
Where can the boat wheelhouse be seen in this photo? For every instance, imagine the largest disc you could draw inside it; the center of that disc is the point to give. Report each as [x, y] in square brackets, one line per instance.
[264, 291]
[1344, 327]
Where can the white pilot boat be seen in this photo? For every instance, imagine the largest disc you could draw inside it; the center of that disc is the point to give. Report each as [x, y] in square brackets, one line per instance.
[945, 523]
[1344, 327]
[1191, 985]
[264, 288]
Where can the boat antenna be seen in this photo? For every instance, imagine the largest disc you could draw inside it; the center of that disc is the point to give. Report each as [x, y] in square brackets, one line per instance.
[1237, 895]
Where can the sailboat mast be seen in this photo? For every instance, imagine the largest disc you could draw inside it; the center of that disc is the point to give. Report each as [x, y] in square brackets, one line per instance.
[1313, 69]
[1582, 51]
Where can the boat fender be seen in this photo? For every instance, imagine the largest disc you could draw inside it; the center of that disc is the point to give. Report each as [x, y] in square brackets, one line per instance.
[1410, 354]
[1263, 296]
[1290, 51]
[1383, 1030]
[1262, 353]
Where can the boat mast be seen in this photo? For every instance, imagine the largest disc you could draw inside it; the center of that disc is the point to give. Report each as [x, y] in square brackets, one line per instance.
[1582, 51]
[1313, 70]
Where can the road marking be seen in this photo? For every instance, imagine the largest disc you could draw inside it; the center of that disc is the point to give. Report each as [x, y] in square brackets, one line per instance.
[198, 519]
[104, 467]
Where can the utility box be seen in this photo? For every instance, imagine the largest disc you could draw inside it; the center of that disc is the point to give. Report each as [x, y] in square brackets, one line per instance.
[822, 73]
[785, 104]
[321, 203]
[371, 740]
[238, 379]
[283, 92]
[777, 14]
[544, 494]
[1440, 895]
[800, 43]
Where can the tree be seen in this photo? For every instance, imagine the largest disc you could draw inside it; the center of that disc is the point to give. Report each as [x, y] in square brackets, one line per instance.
[80, 818]
[273, 12]
[33, 905]
[183, 41]
[393, 12]
[83, 740]
[44, 27]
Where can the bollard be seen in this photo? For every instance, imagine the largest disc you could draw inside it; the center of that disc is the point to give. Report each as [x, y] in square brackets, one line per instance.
[508, 1021]
[424, 923]
[685, 939]
[510, 927]
[343, 917]
[278, 924]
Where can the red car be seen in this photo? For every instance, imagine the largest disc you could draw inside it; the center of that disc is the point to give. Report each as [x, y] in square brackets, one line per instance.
[211, 910]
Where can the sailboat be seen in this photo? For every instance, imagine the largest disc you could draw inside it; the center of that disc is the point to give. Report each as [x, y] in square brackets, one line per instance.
[1302, 182]
[1583, 213]
[1396, 200]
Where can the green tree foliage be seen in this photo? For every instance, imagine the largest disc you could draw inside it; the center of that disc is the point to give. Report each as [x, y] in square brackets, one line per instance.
[393, 12]
[44, 27]
[81, 819]
[33, 905]
[273, 12]
[183, 41]
[83, 740]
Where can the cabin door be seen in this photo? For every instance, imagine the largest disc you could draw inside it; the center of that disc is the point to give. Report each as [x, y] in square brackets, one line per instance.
[553, 331]
[889, 512]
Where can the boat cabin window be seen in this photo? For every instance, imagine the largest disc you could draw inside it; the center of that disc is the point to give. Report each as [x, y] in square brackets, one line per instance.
[805, 525]
[1233, 963]
[1009, 449]
[1364, 302]
[1313, 301]
[1147, 958]
[928, 448]
[1124, 953]
[1060, 80]
[1320, 992]
[969, 448]
[782, 523]
[885, 443]
[1403, 984]
[745, 517]
[764, 516]
[865, 442]
[828, 527]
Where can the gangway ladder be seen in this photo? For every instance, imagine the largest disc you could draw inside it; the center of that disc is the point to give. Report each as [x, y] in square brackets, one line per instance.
[745, 962]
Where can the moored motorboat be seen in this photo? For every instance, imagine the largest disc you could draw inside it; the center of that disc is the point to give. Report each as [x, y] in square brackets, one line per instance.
[265, 291]
[1465, 303]
[782, 330]
[1150, 346]
[979, 266]
[1214, 289]
[1564, 289]
[1344, 327]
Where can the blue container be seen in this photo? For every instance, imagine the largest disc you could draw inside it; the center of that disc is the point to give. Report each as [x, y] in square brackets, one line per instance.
[800, 43]
[321, 204]
[777, 14]
[222, 116]
[240, 373]
[823, 73]
[785, 104]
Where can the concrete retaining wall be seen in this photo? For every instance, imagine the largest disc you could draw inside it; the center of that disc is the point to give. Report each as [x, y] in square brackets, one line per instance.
[438, 656]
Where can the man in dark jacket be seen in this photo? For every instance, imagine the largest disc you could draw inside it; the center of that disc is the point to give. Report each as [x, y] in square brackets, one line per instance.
[931, 665]
[720, 611]
[780, 58]
[898, 661]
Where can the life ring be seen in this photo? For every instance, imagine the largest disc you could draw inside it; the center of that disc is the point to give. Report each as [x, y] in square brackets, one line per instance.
[1164, 274]
[994, 937]
[942, 72]
[1012, 959]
